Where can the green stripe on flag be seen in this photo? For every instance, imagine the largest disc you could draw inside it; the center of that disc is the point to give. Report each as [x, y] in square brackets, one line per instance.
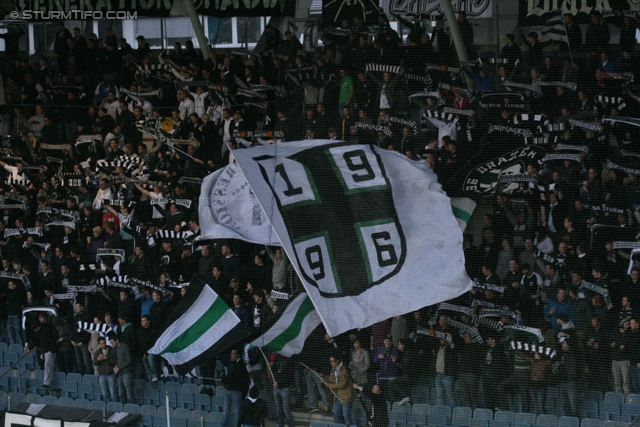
[198, 328]
[461, 214]
[292, 332]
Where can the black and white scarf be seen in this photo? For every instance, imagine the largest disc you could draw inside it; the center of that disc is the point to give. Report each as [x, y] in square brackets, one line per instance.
[518, 345]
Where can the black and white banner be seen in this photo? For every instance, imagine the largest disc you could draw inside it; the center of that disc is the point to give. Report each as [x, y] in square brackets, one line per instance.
[478, 9]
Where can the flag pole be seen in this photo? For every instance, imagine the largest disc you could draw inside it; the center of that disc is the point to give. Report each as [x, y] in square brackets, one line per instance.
[317, 375]
[268, 366]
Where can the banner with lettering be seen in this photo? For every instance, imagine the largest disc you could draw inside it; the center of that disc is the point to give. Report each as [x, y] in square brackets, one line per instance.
[131, 9]
[474, 9]
[536, 12]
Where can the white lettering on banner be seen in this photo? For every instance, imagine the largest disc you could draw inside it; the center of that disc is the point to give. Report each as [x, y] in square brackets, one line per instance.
[40, 9]
[541, 7]
[476, 9]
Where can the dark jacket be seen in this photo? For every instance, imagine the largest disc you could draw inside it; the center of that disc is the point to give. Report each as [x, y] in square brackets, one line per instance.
[237, 378]
[252, 413]
[64, 332]
[124, 360]
[105, 367]
[44, 338]
[283, 371]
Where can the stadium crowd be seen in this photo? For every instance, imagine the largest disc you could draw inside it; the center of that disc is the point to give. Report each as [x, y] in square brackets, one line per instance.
[100, 217]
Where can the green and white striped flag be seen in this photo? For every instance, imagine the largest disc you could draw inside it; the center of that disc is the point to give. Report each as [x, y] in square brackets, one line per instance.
[462, 208]
[200, 327]
[288, 333]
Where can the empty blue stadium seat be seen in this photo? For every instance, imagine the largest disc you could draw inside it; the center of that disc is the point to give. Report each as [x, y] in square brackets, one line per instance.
[413, 420]
[202, 402]
[591, 422]
[132, 408]
[615, 397]
[568, 422]
[65, 401]
[507, 416]
[114, 407]
[461, 416]
[629, 412]
[483, 414]
[397, 419]
[547, 420]
[421, 408]
[609, 411]
[81, 403]
[525, 417]
[97, 405]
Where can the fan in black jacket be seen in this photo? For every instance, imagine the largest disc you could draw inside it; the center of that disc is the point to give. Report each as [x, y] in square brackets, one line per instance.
[253, 410]
[45, 341]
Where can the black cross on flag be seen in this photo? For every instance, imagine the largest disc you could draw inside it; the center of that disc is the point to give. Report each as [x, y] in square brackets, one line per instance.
[370, 233]
[364, 244]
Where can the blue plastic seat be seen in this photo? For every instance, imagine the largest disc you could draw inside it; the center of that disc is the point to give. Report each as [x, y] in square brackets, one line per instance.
[85, 391]
[97, 405]
[193, 423]
[406, 408]
[615, 397]
[159, 422]
[33, 398]
[615, 424]
[397, 419]
[58, 379]
[633, 399]
[217, 404]
[594, 395]
[9, 359]
[421, 408]
[172, 386]
[4, 347]
[148, 410]
[185, 414]
[65, 401]
[507, 416]
[215, 417]
[337, 425]
[185, 400]
[413, 420]
[97, 392]
[151, 397]
[478, 422]
[436, 420]
[568, 422]
[189, 388]
[197, 414]
[202, 402]
[178, 422]
[81, 403]
[16, 348]
[525, 417]
[70, 389]
[443, 410]
[483, 414]
[461, 416]
[18, 398]
[498, 423]
[589, 409]
[28, 362]
[609, 411]
[49, 400]
[132, 408]
[591, 422]
[629, 412]
[547, 420]
[212, 424]
[73, 377]
[114, 407]
[90, 379]
[520, 424]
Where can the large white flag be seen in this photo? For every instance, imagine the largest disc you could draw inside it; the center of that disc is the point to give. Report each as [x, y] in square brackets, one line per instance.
[229, 210]
[370, 233]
